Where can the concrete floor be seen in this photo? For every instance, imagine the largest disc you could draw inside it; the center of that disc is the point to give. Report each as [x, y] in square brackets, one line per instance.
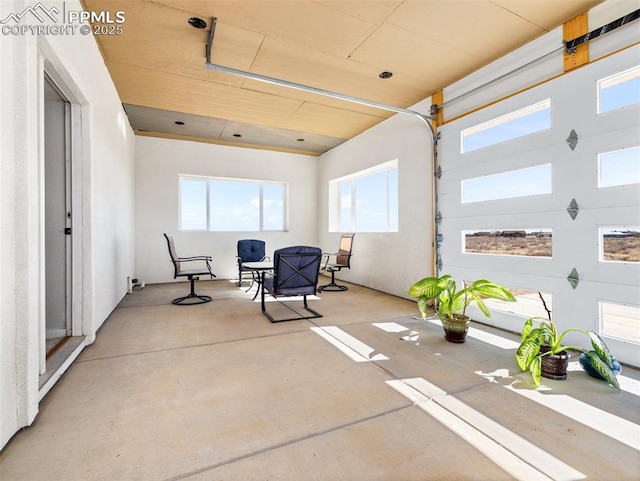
[216, 392]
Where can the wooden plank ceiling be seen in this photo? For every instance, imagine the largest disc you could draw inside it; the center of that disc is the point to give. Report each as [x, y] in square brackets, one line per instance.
[157, 63]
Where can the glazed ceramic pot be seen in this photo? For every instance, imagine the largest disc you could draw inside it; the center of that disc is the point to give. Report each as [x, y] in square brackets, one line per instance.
[455, 328]
[585, 362]
[554, 366]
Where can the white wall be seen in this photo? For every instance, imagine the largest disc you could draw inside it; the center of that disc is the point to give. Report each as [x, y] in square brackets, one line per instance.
[105, 168]
[158, 164]
[389, 262]
[111, 196]
[18, 236]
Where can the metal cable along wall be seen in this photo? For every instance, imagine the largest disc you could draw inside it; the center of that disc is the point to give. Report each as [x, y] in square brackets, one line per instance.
[426, 119]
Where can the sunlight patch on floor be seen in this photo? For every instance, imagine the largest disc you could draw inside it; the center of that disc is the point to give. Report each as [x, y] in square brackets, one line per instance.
[355, 349]
[606, 423]
[489, 437]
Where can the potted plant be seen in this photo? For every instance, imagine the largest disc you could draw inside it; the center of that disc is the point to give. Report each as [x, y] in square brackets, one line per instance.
[452, 303]
[542, 353]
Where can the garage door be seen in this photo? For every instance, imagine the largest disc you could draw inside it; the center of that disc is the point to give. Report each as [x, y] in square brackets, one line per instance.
[541, 193]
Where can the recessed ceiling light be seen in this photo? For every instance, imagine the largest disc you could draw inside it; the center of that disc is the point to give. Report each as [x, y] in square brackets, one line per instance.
[237, 135]
[179, 122]
[385, 74]
[197, 22]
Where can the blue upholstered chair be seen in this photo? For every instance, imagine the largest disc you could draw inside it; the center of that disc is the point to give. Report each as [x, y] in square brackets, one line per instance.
[249, 250]
[191, 268]
[295, 273]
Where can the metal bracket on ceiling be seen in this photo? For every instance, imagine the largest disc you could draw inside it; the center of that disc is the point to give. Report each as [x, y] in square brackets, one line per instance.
[212, 32]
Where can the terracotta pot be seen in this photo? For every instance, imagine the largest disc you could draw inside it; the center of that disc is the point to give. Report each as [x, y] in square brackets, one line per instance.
[554, 366]
[455, 328]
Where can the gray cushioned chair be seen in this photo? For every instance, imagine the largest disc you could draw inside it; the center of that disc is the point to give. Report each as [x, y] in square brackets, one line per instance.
[201, 267]
[342, 261]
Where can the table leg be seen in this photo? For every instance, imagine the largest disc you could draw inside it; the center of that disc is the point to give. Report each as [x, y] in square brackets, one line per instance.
[253, 280]
[258, 281]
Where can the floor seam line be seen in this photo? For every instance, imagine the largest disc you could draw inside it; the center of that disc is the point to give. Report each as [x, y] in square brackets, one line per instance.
[191, 346]
[288, 443]
[164, 303]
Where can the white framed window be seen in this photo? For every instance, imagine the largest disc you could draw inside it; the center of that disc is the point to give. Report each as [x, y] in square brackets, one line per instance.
[528, 120]
[528, 303]
[620, 243]
[231, 205]
[366, 201]
[619, 90]
[512, 242]
[620, 321]
[508, 185]
[619, 167]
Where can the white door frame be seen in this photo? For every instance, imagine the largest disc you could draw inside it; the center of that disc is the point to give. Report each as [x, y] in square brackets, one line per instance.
[79, 251]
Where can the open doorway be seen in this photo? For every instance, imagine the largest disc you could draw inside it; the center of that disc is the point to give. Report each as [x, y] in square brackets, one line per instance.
[57, 216]
[64, 293]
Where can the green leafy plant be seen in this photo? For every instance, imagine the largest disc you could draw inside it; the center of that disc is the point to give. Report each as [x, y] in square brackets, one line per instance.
[529, 355]
[453, 302]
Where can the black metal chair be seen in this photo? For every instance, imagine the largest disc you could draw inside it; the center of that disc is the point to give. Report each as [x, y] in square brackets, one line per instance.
[342, 261]
[249, 250]
[295, 273]
[191, 274]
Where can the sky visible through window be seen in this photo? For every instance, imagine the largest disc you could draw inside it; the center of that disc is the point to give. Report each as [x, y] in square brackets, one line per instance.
[370, 203]
[619, 90]
[508, 185]
[233, 205]
[621, 167]
[528, 120]
[346, 206]
[193, 204]
[273, 207]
